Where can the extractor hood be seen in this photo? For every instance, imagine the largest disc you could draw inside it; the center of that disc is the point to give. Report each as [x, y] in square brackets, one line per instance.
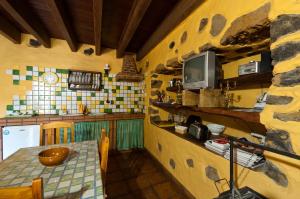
[129, 71]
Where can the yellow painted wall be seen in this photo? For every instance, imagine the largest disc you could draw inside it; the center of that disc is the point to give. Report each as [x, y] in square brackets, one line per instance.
[18, 56]
[194, 179]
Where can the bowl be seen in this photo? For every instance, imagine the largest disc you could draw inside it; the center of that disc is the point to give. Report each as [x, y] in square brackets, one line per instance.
[53, 156]
[215, 129]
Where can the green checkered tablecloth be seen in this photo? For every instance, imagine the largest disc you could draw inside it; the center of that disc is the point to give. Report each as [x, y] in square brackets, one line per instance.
[78, 177]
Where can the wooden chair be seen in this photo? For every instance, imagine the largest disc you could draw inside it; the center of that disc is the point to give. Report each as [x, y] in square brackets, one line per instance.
[35, 191]
[101, 140]
[104, 160]
[51, 132]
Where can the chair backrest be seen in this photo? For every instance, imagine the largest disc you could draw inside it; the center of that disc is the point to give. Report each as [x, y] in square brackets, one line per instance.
[50, 133]
[35, 191]
[101, 140]
[104, 158]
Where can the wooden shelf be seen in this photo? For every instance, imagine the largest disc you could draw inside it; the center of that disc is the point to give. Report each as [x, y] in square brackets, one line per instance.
[184, 110]
[249, 81]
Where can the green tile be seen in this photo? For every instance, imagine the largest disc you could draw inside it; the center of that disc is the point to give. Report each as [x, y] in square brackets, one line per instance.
[113, 91]
[29, 68]
[62, 71]
[53, 107]
[132, 110]
[101, 102]
[76, 181]
[16, 72]
[22, 102]
[93, 94]
[28, 77]
[128, 87]
[41, 73]
[62, 191]
[112, 102]
[119, 98]
[16, 82]
[105, 90]
[136, 92]
[110, 79]
[63, 89]
[118, 106]
[79, 98]
[118, 87]
[57, 93]
[108, 110]
[9, 107]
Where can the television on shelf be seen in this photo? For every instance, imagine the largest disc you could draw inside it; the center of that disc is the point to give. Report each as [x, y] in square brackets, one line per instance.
[200, 71]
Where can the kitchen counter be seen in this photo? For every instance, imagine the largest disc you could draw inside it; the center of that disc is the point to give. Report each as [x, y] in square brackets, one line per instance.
[15, 121]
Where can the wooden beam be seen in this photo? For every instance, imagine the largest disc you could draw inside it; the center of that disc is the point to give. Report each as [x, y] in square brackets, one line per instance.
[63, 21]
[9, 31]
[136, 15]
[23, 15]
[97, 9]
[181, 10]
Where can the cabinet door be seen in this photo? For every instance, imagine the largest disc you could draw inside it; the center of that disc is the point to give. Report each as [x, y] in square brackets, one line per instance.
[89, 130]
[130, 134]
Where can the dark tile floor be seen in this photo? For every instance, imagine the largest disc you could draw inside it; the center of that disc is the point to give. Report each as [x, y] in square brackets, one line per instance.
[135, 175]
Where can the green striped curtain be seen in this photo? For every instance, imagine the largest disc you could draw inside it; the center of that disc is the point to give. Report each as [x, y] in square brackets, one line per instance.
[130, 134]
[90, 130]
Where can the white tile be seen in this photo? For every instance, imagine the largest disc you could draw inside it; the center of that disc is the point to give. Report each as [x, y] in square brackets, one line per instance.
[9, 71]
[35, 68]
[16, 77]
[36, 74]
[22, 77]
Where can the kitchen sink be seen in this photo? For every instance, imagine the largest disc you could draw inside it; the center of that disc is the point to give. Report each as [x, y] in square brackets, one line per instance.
[250, 110]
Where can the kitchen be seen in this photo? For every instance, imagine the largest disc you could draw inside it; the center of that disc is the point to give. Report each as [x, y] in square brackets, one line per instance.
[197, 99]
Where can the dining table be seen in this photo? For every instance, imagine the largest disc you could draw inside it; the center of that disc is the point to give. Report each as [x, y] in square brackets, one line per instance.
[79, 176]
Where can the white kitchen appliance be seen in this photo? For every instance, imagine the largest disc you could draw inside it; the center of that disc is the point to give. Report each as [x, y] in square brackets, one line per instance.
[16, 137]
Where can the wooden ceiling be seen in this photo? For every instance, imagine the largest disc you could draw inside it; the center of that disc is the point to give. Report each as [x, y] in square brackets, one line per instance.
[134, 26]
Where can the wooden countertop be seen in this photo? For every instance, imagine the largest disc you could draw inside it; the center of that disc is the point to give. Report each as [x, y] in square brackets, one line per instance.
[77, 118]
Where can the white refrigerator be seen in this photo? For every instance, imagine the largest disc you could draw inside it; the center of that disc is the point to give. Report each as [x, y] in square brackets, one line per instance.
[16, 137]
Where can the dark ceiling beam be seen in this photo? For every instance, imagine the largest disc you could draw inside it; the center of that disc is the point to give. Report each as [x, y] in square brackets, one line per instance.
[9, 31]
[181, 10]
[136, 15]
[63, 22]
[97, 13]
[24, 16]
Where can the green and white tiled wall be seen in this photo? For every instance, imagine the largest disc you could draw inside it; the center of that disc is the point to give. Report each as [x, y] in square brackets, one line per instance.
[50, 99]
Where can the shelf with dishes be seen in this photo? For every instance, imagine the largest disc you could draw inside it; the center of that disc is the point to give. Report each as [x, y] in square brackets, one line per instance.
[248, 115]
[85, 80]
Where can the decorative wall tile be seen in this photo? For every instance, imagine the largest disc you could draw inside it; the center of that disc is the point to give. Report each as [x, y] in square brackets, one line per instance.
[50, 99]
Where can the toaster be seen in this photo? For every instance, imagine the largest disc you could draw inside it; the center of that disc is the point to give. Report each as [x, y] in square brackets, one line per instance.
[198, 131]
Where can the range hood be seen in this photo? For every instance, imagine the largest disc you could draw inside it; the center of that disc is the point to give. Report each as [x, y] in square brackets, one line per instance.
[129, 71]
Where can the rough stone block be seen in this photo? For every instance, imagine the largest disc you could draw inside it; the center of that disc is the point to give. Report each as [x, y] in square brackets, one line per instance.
[190, 163]
[212, 173]
[290, 78]
[218, 24]
[279, 100]
[285, 51]
[273, 172]
[283, 25]
[203, 23]
[279, 139]
[172, 163]
[294, 116]
[183, 37]
[159, 147]
[249, 28]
